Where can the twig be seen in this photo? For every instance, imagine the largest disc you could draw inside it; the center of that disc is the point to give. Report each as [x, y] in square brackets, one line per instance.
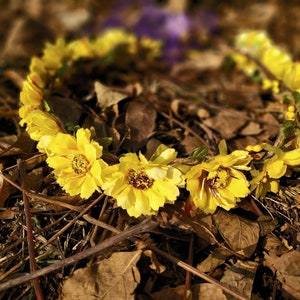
[32, 261]
[191, 131]
[176, 261]
[144, 226]
[40, 197]
[198, 273]
[188, 276]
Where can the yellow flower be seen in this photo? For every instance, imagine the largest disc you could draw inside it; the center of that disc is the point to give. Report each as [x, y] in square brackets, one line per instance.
[271, 84]
[263, 183]
[276, 61]
[32, 93]
[55, 54]
[112, 38]
[254, 41]
[39, 68]
[274, 168]
[142, 186]
[218, 181]
[81, 48]
[153, 47]
[244, 63]
[291, 77]
[76, 161]
[38, 122]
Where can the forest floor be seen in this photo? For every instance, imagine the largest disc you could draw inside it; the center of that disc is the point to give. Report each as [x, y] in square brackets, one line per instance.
[192, 96]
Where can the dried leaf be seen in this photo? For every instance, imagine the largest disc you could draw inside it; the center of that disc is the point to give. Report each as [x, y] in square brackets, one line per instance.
[176, 293]
[227, 122]
[252, 128]
[207, 291]
[240, 277]
[240, 234]
[287, 269]
[106, 96]
[203, 291]
[273, 245]
[4, 191]
[7, 214]
[140, 118]
[155, 263]
[215, 259]
[190, 143]
[266, 225]
[114, 278]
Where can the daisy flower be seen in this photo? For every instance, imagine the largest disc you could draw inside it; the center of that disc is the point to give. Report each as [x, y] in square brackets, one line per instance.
[75, 161]
[219, 181]
[142, 186]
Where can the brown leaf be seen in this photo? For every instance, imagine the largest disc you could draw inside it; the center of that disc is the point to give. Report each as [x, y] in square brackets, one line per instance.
[207, 291]
[252, 128]
[227, 122]
[203, 291]
[114, 278]
[273, 245]
[140, 118]
[266, 225]
[155, 263]
[171, 293]
[215, 259]
[4, 191]
[7, 214]
[240, 277]
[106, 96]
[287, 268]
[240, 234]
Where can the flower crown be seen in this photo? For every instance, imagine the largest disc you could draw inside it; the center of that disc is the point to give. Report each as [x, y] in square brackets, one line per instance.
[141, 185]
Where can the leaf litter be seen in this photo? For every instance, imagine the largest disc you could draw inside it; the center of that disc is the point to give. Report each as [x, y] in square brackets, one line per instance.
[253, 249]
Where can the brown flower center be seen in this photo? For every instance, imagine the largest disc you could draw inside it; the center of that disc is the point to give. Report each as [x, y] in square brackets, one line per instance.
[218, 179]
[139, 179]
[80, 164]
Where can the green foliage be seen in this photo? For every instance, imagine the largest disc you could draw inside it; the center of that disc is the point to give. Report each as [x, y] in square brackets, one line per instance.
[199, 153]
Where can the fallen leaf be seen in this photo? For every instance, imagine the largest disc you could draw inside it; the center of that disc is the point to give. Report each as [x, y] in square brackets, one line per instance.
[140, 118]
[7, 214]
[155, 263]
[114, 278]
[203, 291]
[107, 96]
[240, 277]
[266, 225]
[4, 191]
[215, 259]
[287, 269]
[252, 128]
[190, 143]
[227, 122]
[207, 291]
[240, 234]
[176, 293]
[273, 245]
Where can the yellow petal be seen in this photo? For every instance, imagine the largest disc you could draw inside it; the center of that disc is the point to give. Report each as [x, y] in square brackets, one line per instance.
[237, 188]
[276, 169]
[292, 158]
[167, 189]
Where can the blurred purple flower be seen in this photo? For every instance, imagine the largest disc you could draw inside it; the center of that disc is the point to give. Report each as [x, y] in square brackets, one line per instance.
[158, 23]
[178, 31]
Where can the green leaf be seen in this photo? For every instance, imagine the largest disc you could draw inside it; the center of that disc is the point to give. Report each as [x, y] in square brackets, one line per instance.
[288, 128]
[287, 100]
[296, 96]
[199, 153]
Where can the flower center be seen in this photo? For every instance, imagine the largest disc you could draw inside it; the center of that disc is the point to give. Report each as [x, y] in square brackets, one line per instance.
[218, 179]
[139, 179]
[80, 164]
